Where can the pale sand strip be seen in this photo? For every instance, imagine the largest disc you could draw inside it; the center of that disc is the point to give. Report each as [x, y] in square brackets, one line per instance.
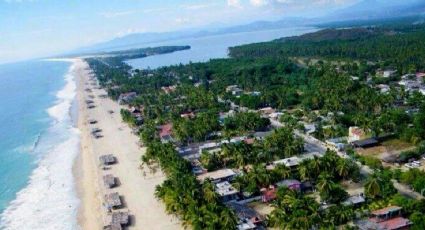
[137, 190]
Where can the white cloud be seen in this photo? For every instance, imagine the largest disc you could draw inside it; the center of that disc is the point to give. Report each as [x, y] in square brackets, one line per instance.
[234, 3]
[117, 14]
[259, 2]
[198, 6]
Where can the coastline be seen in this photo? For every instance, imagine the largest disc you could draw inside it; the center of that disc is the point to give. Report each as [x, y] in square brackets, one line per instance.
[137, 190]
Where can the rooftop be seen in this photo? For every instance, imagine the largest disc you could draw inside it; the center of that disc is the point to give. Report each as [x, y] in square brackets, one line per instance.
[217, 175]
[225, 189]
[386, 210]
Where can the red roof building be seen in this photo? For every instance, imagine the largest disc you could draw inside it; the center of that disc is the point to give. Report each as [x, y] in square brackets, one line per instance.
[389, 218]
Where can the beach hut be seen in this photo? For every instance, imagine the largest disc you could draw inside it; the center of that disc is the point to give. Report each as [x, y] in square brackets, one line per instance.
[121, 218]
[109, 181]
[113, 200]
[107, 159]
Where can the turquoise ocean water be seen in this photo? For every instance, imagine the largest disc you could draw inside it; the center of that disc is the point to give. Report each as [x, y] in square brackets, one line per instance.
[36, 137]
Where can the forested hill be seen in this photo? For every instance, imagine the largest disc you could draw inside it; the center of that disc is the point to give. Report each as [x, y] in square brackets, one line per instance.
[402, 47]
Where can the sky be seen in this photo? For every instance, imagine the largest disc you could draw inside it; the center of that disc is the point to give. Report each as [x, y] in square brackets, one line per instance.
[37, 28]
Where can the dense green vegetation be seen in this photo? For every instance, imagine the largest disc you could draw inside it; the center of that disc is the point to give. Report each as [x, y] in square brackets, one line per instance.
[400, 47]
[196, 204]
[309, 79]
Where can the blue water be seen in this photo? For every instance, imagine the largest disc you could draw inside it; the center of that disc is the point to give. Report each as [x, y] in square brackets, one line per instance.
[210, 47]
[36, 138]
[26, 91]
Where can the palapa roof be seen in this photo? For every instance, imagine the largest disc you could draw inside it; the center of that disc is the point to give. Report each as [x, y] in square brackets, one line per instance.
[113, 199]
[109, 181]
[107, 159]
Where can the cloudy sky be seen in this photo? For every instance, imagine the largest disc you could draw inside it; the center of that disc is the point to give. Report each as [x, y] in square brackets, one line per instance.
[34, 28]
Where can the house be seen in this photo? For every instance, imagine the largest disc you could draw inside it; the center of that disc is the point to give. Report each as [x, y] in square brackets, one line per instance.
[354, 200]
[126, 98]
[248, 217]
[389, 218]
[169, 89]
[383, 88]
[290, 183]
[211, 147]
[165, 133]
[218, 175]
[386, 73]
[290, 162]
[355, 134]
[336, 144]
[226, 191]
[366, 143]
[269, 194]
[234, 90]
[266, 112]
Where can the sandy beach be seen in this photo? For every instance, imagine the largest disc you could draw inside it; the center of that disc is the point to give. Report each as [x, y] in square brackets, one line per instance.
[136, 189]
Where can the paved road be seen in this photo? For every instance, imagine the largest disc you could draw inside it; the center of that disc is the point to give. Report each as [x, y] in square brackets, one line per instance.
[314, 145]
[406, 190]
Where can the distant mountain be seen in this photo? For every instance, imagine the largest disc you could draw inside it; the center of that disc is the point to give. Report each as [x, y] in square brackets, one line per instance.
[364, 10]
[144, 38]
[376, 9]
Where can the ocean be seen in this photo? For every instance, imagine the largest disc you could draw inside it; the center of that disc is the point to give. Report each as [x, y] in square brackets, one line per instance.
[39, 141]
[38, 145]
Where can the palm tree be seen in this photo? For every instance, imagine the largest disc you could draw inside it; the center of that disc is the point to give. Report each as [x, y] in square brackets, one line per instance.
[282, 171]
[343, 168]
[373, 186]
[227, 219]
[304, 170]
[209, 191]
[325, 183]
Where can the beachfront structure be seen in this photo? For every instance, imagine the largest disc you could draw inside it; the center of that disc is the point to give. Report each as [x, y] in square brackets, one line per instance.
[107, 159]
[389, 218]
[226, 191]
[126, 98]
[218, 176]
[248, 217]
[116, 220]
[165, 133]
[113, 200]
[109, 181]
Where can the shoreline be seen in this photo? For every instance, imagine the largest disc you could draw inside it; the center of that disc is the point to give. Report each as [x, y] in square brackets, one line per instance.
[137, 191]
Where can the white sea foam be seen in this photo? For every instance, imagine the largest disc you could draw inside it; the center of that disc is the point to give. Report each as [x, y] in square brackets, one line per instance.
[49, 201]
